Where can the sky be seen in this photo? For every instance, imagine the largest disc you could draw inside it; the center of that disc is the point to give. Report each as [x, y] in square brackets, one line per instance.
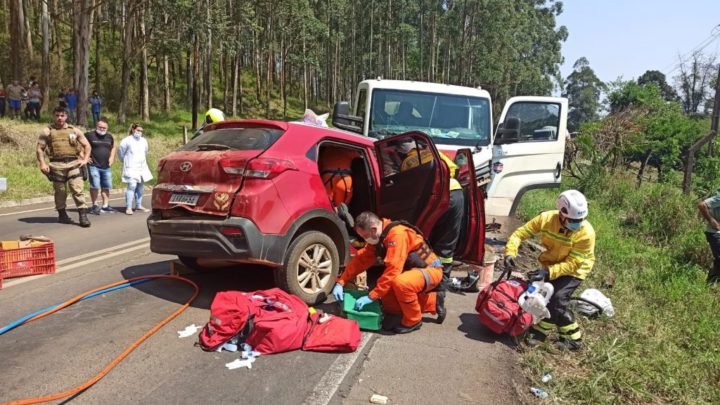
[627, 38]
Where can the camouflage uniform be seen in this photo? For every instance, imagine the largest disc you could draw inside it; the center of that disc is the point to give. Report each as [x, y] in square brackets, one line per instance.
[63, 149]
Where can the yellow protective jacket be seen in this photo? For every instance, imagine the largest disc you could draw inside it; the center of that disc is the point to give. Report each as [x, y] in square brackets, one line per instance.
[569, 253]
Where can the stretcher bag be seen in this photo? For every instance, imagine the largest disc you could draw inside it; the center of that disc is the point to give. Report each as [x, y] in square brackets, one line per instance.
[230, 312]
[334, 334]
[498, 307]
[280, 321]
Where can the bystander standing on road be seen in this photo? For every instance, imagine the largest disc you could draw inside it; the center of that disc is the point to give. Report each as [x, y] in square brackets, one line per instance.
[67, 149]
[71, 100]
[14, 95]
[710, 210]
[95, 106]
[102, 156]
[133, 153]
[2, 101]
[34, 102]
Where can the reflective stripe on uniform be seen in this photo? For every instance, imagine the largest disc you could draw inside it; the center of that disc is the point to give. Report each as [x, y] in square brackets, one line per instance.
[543, 327]
[570, 332]
[445, 260]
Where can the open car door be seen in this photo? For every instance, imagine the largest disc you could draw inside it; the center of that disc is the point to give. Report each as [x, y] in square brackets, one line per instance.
[528, 150]
[471, 246]
[414, 184]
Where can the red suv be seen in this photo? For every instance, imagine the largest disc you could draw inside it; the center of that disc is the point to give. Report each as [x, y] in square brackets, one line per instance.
[250, 191]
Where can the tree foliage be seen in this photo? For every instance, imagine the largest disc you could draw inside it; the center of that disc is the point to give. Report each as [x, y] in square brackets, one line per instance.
[583, 89]
[146, 54]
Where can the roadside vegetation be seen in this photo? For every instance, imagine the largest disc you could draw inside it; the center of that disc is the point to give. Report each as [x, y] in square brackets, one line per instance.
[652, 258]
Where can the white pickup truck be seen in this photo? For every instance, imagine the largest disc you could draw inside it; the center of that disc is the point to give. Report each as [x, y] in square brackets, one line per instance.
[524, 152]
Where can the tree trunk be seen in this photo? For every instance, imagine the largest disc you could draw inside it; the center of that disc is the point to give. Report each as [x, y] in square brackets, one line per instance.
[83, 11]
[189, 76]
[235, 73]
[166, 84]
[17, 34]
[208, 60]
[195, 75]
[127, 59]
[28, 34]
[305, 71]
[96, 28]
[687, 180]
[144, 85]
[46, 55]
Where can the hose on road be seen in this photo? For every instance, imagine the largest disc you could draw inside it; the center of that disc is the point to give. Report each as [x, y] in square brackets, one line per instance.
[89, 294]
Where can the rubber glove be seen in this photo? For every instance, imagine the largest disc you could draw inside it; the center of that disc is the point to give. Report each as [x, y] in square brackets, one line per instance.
[510, 261]
[539, 275]
[362, 301]
[338, 292]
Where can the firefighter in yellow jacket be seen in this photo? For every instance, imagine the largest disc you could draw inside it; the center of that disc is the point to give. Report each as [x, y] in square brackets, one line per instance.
[67, 151]
[412, 271]
[570, 242]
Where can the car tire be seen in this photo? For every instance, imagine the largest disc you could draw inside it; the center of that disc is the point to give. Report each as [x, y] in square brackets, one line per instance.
[191, 262]
[311, 266]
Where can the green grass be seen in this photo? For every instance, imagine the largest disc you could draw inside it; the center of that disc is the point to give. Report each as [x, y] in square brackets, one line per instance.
[662, 344]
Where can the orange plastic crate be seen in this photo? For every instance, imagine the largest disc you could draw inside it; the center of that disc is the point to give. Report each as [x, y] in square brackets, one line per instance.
[38, 258]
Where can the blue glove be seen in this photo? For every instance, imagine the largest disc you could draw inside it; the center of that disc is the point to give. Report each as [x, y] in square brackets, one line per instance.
[362, 301]
[539, 275]
[338, 292]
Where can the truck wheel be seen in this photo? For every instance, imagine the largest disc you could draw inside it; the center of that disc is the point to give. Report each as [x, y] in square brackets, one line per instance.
[311, 267]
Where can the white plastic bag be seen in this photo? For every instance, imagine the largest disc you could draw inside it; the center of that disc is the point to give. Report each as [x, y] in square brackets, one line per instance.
[595, 297]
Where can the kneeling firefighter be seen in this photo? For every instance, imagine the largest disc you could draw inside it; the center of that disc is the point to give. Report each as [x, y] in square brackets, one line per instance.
[412, 271]
[570, 242]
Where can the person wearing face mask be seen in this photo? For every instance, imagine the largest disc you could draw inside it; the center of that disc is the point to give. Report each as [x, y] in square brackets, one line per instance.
[133, 153]
[412, 271]
[102, 157]
[569, 240]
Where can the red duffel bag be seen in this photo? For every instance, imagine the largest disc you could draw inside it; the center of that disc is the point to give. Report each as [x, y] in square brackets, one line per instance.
[280, 322]
[498, 308]
[336, 334]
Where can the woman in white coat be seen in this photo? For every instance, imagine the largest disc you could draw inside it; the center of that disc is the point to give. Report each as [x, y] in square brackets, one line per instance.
[133, 153]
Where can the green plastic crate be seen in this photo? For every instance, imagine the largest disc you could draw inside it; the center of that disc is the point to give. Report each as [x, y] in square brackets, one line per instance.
[370, 318]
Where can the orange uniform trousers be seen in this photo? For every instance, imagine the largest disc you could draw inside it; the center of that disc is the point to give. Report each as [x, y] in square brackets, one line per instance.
[338, 188]
[408, 294]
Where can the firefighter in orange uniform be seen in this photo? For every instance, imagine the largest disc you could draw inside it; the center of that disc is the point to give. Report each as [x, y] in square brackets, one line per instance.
[412, 271]
[336, 174]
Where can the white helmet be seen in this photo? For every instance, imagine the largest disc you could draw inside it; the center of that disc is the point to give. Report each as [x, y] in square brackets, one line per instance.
[572, 204]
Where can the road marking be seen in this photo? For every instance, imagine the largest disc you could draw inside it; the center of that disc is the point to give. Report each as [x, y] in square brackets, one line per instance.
[13, 282]
[46, 208]
[99, 252]
[334, 376]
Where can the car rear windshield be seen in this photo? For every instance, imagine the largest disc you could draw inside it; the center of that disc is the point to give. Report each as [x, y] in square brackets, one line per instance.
[234, 139]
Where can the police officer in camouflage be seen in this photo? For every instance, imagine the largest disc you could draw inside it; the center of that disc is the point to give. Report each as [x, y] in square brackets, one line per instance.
[67, 151]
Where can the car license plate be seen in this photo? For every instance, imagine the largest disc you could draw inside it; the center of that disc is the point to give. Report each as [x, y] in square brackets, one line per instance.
[184, 198]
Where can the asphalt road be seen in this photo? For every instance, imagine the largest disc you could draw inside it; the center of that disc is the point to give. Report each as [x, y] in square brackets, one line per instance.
[457, 362]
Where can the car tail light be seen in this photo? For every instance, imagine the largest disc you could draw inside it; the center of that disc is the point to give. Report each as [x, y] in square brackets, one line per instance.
[267, 168]
[233, 166]
[231, 231]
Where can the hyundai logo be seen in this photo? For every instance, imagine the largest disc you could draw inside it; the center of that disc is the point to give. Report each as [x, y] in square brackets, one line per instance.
[186, 166]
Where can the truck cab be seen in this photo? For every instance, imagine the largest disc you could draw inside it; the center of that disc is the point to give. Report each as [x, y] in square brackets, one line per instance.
[525, 151]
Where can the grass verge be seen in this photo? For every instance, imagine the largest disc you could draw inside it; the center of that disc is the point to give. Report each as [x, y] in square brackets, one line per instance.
[662, 344]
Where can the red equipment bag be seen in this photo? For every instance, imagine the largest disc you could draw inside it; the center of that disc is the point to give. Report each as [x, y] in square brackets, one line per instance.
[498, 308]
[229, 314]
[336, 334]
[280, 322]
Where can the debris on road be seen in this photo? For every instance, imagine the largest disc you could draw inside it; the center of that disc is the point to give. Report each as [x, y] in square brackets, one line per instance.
[189, 330]
[546, 378]
[237, 363]
[378, 399]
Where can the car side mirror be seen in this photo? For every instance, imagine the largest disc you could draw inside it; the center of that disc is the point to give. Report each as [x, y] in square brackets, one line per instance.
[508, 132]
[342, 119]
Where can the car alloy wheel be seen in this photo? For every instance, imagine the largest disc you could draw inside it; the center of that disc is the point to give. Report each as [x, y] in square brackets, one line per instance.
[314, 270]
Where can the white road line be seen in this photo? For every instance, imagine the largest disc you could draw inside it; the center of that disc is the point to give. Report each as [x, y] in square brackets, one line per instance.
[13, 282]
[333, 377]
[45, 209]
[100, 252]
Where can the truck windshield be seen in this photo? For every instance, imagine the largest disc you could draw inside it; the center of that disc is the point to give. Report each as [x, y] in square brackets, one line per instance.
[448, 119]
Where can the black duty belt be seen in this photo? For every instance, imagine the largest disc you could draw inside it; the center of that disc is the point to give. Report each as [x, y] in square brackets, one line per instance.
[63, 159]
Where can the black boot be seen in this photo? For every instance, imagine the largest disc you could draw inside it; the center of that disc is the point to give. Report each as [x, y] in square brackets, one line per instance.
[407, 329]
[469, 283]
[714, 274]
[84, 221]
[63, 217]
[440, 307]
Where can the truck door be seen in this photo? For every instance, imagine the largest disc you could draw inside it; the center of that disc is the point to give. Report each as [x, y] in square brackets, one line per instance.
[471, 247]
[414, 184]
[528, 150]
